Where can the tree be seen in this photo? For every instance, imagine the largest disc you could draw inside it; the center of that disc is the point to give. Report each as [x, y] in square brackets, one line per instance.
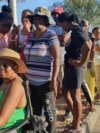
[85, 9]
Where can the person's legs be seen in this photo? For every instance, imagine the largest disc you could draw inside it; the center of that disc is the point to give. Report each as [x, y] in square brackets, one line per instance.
[86, 92]
[73, 100]
[97, 70]
[68, 99]
[50, 112]
[47, 98]
[60, 79]
[77, 108]
[90, 80]
[43, 98]
[88, 96]
[72, 84]
[68, 115]
[35, 100]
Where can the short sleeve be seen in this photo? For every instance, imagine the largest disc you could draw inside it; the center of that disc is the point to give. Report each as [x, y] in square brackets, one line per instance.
[53, 39]
[83, 37]
[79, 37]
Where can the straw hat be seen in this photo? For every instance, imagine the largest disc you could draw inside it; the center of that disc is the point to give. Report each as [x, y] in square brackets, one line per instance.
[9, 54]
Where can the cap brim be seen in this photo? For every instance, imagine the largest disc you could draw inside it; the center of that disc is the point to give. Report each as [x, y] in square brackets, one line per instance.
[31, 17]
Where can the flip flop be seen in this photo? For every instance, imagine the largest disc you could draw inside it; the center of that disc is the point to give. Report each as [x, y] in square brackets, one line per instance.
[70, 125]
[74, 131]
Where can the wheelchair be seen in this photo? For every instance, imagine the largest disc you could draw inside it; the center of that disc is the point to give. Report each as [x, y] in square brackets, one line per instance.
[31, 123]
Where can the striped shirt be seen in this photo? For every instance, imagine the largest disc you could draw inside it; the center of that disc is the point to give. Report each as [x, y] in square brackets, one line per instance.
[38, 57]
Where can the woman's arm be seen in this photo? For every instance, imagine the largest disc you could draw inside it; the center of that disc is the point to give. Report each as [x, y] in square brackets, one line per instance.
[64, 38]
[55, 51]
[27, 26]
[86, 47]
[92, 52]
[14, 39]
[11, 100]
[97, 47]
[91, 57]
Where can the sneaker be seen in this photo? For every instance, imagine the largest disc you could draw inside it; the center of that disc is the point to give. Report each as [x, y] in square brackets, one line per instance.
[68, 116]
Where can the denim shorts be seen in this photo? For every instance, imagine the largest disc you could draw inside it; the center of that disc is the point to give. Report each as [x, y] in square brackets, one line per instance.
[73, 77]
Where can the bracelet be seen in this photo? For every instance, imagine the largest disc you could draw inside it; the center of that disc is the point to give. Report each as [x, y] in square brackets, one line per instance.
[90, 61]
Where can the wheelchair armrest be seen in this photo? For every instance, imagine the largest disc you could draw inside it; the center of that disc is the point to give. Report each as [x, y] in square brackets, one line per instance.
[15, 127]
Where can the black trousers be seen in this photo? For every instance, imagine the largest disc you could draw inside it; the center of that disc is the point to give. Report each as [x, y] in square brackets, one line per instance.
[85, 88]
[43, 98]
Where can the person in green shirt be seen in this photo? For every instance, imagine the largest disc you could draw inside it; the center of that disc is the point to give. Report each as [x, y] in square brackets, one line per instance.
[12, 94]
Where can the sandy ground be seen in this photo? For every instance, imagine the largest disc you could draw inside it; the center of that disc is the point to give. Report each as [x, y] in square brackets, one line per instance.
[61, 106]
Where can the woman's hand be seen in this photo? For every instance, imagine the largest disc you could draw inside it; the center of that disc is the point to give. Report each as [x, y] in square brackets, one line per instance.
[74, 62]
[53, 86]
[27, 25]
[14, 32]
[86, 48]
[97, 47]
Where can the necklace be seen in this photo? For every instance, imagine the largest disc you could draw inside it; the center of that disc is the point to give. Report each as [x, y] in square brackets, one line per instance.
[38, 34]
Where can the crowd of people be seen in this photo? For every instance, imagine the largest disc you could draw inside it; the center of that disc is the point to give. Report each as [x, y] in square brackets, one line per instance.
[58, 58]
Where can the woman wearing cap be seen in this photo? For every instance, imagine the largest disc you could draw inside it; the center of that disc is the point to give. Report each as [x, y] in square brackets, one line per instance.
[42, 59]
[75, 66]
[12, 93]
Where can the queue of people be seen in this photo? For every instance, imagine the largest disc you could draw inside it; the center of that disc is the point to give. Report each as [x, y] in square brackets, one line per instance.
[54, 58]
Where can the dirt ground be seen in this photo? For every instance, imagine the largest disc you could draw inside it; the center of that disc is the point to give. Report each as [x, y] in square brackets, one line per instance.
[61, 106]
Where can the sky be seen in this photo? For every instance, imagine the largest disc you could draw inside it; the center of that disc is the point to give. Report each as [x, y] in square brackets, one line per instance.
[30, 4]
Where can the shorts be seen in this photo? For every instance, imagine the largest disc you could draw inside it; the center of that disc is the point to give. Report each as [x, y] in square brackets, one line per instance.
[73, 77]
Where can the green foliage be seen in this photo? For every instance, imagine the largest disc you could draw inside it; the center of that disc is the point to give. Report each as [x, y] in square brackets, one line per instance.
[85, 9]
